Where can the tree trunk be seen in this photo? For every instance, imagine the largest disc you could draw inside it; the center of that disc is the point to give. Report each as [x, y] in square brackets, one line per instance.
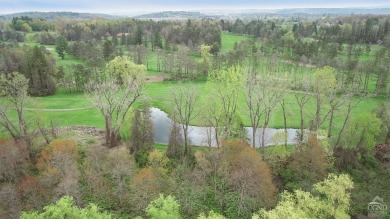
[330, 123]
[254, 136]
[216, 136]
[111, 135]
[344, 124]
[318, 112]
[185, 130]
[266, 121]
[262, 141]
[113, 139]
[302, 124]
[284, 123]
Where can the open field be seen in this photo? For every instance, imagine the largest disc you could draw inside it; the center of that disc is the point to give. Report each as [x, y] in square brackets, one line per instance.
[228, 40]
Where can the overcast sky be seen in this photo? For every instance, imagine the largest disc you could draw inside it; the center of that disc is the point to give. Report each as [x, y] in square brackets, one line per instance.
[125, 6]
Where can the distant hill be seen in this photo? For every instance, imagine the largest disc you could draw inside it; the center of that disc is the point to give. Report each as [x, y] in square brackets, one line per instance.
[334, 11]
[217, 14]
[54, 15]
[172, 15]
[254, 13]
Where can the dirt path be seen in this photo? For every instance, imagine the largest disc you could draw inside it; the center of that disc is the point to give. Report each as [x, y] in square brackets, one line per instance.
[154, 78]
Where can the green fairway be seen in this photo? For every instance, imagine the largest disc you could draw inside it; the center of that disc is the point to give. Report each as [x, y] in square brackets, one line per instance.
[158, 94]
[228, 40]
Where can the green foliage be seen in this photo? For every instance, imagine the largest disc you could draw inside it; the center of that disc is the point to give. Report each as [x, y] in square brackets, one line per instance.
[383, 113]
[370, 177]
[142, 135]
[122, 68]
[336, 193]
[306, 166]
[65, 208]
[175, 148]
[138, 35]
[361, 132]
[223, 86]
[205, 64]
[13, 90]
[325, 81]
[297, 205]
[108, 49]
[61, 46]
[26, 28]
[238, 180]
[163, 208]
[211, 215]
[37, 69]
[13, 86]
[328, 199]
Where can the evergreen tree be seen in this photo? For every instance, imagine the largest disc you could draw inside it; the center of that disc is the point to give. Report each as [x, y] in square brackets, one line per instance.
[142, 135]
[123, 40]
[157, 40]
[108, 49]
[176, 142]
[61, 46]
[138, 35]
[36, 68]
[115, 40]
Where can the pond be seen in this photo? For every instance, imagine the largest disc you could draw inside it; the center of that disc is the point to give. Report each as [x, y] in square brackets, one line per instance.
[200, 136]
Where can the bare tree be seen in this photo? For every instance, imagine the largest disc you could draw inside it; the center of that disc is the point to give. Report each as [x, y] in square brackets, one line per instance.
[272, 92]
[351, 104]
[302, 97]
[184, 98]
[213, 119]
[324, 86]
[254, 102]
[14, 89]
[114, 101]
[383, 112]
[335, 101]
[286, 113]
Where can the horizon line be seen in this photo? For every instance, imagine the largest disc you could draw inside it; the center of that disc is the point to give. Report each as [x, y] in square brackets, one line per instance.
[230, 9]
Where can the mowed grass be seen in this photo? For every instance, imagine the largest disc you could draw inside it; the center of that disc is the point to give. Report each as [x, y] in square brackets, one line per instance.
[229, 39]
[158, 95]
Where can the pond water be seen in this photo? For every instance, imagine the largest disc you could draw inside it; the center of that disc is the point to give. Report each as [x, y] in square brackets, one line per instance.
[200, 136]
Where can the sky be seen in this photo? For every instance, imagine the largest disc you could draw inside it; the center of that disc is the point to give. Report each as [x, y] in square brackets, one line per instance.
[127, 6]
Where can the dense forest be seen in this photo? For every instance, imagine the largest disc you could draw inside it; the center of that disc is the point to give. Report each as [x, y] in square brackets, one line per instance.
[77, 137]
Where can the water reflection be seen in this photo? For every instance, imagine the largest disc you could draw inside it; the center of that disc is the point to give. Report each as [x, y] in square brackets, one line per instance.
[204, 136]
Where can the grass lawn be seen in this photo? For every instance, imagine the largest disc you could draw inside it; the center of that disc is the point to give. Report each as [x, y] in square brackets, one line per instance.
[68, 60]
[229, 39]
[158, 94]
